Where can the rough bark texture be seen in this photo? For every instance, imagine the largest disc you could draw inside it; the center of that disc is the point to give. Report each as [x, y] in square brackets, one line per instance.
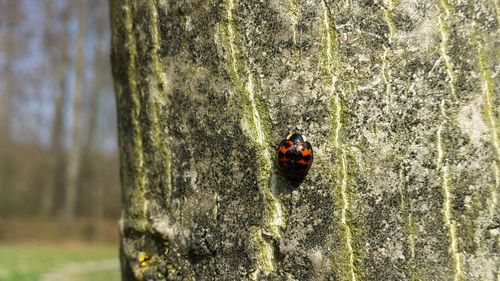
[398, 99]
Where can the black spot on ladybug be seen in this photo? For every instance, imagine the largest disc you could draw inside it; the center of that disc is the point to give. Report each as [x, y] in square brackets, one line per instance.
[295, 157]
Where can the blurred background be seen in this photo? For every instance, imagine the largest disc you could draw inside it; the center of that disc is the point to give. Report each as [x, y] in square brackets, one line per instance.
[59, 178]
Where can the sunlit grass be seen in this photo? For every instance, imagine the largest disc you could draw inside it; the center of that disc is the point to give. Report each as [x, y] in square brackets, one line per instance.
[30, 262]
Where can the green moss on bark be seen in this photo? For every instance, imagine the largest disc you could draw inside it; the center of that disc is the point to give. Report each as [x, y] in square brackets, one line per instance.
[402, 118]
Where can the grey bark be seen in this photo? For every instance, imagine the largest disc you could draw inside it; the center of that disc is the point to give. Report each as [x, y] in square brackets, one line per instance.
[398, 99]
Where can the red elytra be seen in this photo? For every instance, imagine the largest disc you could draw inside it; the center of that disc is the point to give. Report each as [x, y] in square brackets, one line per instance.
[295, 157]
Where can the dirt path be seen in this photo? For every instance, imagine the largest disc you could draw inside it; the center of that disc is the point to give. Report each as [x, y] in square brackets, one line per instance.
[65, 271]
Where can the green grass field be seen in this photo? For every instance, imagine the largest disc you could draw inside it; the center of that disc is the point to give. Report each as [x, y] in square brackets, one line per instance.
[22, 262]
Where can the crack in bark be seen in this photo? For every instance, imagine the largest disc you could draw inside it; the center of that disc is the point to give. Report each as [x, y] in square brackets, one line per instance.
[332, 67]
[231, 33]
[139, 177]
[488, 91]
[444, 31]
[447, 201]
[293, 8]
[160, 98]
[254, 128]
[388, 19]
[406, 205]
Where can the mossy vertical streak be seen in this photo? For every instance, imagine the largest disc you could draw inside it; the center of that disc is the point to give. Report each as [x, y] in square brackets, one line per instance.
[273, 219]
[333, 66]
[345, 209]
[444, 19]
[389, 6]
[294, 15]
[255, 125]
[139, 203]
[406, 206]
[489, 112]
[159, 99]
[233, 50]
[446, 185]
[385, 78]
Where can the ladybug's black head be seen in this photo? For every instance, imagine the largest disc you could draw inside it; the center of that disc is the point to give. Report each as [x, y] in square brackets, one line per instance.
[296, 137]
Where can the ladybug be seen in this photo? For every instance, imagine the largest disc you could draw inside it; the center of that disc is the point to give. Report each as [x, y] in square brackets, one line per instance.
[295, 157]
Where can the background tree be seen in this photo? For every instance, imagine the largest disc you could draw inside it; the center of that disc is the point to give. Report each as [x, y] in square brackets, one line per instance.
[68, 211]
[10, 53]
[101, 79]
[48, 59]
[397, 98]
[57, 71]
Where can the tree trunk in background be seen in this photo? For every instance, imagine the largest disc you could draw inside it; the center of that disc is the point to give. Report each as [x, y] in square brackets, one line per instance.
[7, 89]
[6, 98]
[397, 99]
[73, 156]
[59, 68]
[90, 164]
[11, 15]
[91, 167]
[60, 157]
[90, 161]
[57, 153]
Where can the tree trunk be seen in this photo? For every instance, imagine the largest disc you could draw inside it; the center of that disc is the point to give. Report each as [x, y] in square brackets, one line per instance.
[7, 89]
[6, 104]
[73, 155]
[56, 166]
[9, 54]
[57, 154]
[396, 97]
[90, 165]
